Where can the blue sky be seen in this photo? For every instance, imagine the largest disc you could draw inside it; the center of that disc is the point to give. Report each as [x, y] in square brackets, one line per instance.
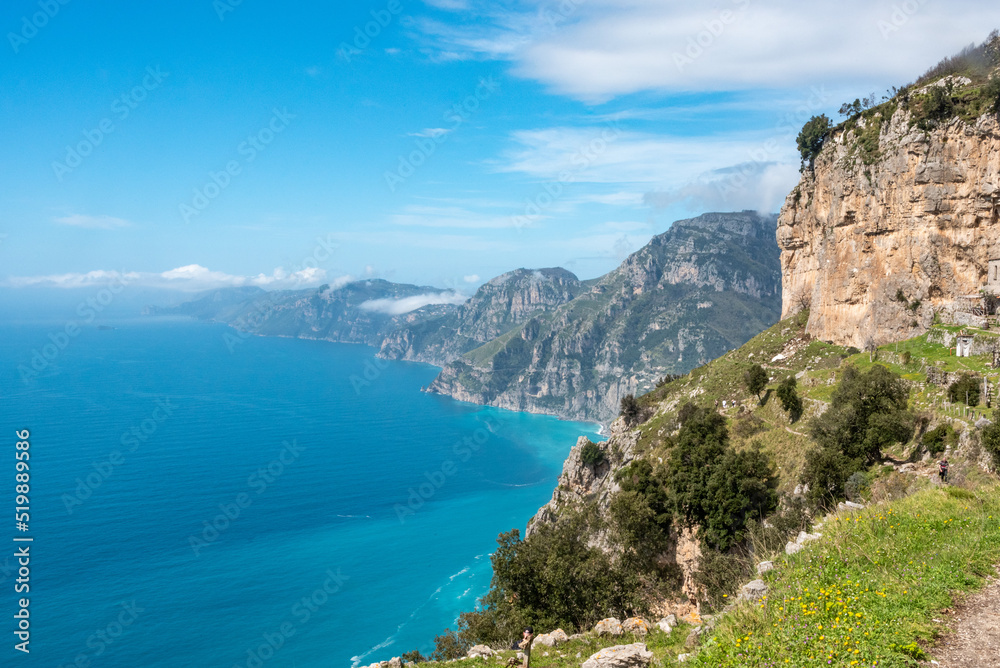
[199, 144]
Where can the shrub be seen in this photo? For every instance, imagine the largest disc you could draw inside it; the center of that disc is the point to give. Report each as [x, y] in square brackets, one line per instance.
[755, 379]
[965, 390]
[449, 646]
[591, 455]
[990, 439]
[413, 656]
[630, 409]
[715, 487]
[748, 424]
[811, 138]
[719, 574]
[868, 413]
[905, 357]
[934, 440]
[856, 486]
[790, 399]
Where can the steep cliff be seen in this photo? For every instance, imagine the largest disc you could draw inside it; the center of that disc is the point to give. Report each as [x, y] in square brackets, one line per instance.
[703, 287]
[896, 221]
[499, 305]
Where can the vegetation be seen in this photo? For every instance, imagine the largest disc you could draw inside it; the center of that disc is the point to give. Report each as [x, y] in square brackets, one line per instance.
[715, 487]
[868, 592]
[811, 138]
[630, 409]
[966, 389]
[868, 414]
[990, 439]
[756, 379]
[591, 455]
[789, 398]
[936, 440]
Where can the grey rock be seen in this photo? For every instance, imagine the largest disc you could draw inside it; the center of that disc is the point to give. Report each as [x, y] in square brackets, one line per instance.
[792, 548]
[621, 656]
[636, 626]
[480, 651]
[764, 567]
[609, 627]
[754, 591]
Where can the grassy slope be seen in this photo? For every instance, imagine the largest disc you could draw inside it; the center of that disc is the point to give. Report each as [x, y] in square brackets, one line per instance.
[867, 593]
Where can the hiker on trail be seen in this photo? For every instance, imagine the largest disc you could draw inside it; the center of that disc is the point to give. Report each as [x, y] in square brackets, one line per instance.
[943, 470]
[525, 645]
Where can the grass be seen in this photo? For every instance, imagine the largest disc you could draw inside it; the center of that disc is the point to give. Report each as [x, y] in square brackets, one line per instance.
[664, 646]
[867, 593]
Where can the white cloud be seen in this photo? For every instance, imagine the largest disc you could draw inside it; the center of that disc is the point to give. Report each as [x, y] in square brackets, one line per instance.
[600, 49]
[314, 70]
[407, 304]
[758, 186]
[190, 278]
[471, 278]
[92, 222]
[598, 155]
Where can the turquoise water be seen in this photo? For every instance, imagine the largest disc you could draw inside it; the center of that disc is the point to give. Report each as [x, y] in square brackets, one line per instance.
[353, 514]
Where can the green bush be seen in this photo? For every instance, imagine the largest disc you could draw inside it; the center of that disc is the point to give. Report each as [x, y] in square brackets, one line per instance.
[790, 399]
[630, 409]
[591, 455]
[990, 438]
[811, 138]
[856, 486]
[755, 378]
[966, 389]
[715, 487]
[934, 440]
[413, 656]
[868, 413]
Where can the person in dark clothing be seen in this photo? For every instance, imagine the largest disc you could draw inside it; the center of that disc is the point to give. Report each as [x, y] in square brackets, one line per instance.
[525, 645]
[943, 470]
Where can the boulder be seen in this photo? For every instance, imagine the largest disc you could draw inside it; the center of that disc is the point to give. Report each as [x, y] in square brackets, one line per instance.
[608, 627]
[395, 662]
[804, 537]
[552, 639]
[791, 548]
[754, 591]
[480, 651]
[764, 567]
[665, 625]
[621, 656]
[635, 625]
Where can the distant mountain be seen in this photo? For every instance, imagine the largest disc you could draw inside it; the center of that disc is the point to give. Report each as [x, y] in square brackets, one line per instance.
[700, 289]
[543, 340]
[358, 312]
[498, 306]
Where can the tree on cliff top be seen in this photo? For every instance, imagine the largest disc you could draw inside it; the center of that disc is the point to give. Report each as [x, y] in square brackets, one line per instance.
[810, 140]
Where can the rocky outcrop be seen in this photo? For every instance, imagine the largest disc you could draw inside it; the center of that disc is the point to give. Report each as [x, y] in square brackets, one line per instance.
[874, 247]
[621, 656]
[498, 306]
[700, 289]
[580, 483]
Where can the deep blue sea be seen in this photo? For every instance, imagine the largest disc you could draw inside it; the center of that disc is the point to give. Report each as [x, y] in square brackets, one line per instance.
[202, 499]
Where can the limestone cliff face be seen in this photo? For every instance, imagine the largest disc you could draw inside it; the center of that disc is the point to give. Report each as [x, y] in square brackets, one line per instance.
[498, 306]
[920, 219]
[705, 286]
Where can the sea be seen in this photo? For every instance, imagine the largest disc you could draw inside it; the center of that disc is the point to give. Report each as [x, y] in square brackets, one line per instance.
[202, 498]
